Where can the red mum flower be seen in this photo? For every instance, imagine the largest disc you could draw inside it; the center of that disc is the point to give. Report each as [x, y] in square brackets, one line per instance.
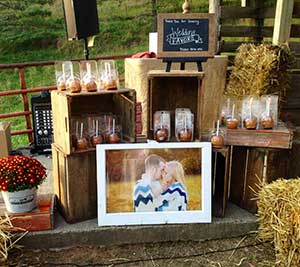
[20, 172]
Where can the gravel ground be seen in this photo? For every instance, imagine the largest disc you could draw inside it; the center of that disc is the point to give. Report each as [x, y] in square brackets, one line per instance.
[244, 251]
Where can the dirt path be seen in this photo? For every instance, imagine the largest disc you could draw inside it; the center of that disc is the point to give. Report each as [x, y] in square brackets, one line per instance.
[243, 252]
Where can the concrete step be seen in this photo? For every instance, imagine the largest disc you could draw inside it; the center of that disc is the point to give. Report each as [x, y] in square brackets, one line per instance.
[237, 222]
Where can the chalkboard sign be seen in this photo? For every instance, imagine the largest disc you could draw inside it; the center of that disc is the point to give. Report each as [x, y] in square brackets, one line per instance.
[186, 35]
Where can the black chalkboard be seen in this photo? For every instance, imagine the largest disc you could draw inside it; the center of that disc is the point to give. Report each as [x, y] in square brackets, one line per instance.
[188, 35]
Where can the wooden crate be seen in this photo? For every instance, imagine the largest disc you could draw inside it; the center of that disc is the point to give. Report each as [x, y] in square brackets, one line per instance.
[5, 139]
[66, 105]
[198, 91]
[251, 166]
[75, 184]
[221, 164]
[294, 159]
[136, 73]
[280, 137]
[171, 90]
[41, 218]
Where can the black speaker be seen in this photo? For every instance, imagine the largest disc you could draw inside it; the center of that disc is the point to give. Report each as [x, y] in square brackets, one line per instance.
[42, 122]
[81, 17]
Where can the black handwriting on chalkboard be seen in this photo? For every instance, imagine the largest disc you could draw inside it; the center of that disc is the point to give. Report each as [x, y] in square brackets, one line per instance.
[183, 36]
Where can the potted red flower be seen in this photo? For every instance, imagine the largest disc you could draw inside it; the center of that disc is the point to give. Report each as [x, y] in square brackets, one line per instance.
[20, 176]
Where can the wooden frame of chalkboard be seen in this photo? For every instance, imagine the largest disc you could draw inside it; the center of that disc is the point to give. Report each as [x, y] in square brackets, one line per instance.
[186, 35]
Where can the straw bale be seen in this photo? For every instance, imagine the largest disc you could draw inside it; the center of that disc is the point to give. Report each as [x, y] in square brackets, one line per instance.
[279, 219]
[8, 237]
[260, 69]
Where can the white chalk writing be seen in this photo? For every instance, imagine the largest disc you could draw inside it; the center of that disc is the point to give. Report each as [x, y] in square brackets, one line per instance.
[183, 36]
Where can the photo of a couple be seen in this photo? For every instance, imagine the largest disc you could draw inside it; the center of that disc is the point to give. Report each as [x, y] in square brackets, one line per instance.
[161, 187]
[153, 180]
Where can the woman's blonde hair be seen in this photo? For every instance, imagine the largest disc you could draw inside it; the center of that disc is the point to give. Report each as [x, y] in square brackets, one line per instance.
[177, 171]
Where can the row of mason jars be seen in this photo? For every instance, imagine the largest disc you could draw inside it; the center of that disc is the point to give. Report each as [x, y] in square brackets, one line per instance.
[89, 131]
[87, 75]
[250, 113]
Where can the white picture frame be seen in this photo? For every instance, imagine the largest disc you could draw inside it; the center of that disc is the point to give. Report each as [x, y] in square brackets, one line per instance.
[108, 218]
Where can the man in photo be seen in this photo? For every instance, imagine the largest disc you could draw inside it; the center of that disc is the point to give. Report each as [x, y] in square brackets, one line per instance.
[148, 189]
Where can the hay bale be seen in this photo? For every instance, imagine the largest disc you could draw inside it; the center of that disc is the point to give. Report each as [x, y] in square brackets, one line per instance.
[259, 70]
[279, 219]
[8, 237]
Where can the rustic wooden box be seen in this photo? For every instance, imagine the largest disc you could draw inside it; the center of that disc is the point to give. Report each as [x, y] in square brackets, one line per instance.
[136, 74]
[5, 139]
[42, 218]
[66, 105]
[280, 137]
[221, 164]
[294, 158]
[75, 184]
[171, 90]
[186, 89]
[199, 91]
[251, 166]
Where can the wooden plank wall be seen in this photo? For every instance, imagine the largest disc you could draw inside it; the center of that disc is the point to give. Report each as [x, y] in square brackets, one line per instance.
[249, 30]
[254, 24]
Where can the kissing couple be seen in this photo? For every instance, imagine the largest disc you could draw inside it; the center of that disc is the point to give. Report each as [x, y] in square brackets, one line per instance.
[161, 187]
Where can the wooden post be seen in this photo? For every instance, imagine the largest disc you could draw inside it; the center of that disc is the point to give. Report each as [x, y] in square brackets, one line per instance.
[244, 3]
[214, 7]
[283, 21]
[186, 7]
[25, 103]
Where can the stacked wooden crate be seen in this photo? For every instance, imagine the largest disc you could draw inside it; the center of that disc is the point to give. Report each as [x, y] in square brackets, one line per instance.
[75, 182]
[258, 156]
[198, 91]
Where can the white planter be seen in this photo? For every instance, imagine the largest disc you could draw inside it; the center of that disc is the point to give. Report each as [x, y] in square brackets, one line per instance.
[20, 201]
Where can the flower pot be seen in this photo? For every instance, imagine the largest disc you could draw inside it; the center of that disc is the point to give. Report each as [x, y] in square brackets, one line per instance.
[20, 201]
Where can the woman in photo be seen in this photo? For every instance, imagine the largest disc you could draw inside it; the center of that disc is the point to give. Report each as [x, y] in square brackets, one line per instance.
[174, 196]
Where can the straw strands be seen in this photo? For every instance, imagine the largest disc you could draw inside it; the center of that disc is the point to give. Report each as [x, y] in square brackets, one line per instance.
[259, 70]
[8, 237]
[279, 218]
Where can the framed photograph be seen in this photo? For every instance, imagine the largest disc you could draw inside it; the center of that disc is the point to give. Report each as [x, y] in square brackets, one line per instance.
[186, 35]
[154, 183]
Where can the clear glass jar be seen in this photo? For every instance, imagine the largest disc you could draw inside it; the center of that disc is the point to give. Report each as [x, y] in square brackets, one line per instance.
[184, 125]
[73, 82]
[89, 75]
[113, 133]
[109, 76]
[162, 124]
[62, 73]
